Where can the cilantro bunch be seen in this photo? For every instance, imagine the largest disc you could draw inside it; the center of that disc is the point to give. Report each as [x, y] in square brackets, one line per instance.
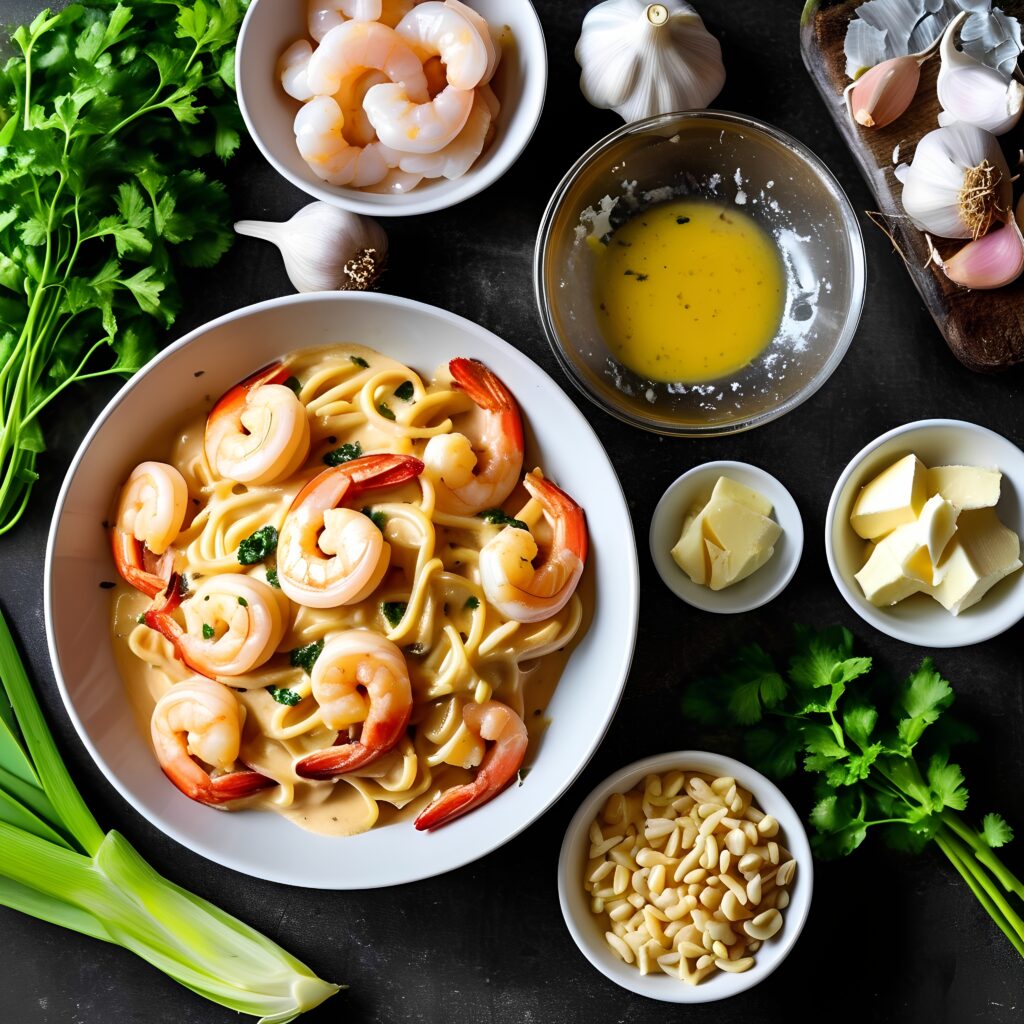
[880, 755]
[108, 112]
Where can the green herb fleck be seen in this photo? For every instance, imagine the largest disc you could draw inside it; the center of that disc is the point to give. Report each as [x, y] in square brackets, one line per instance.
[272, 579]
[242, 601]
[284, 696]
[305, 657]
[385, 412]
[141, 620]
[404, 391]
[208, 631]
[294, 383]
[359, 361]
[377, 518]
[499, 517]
[394, 612]
[472, 603]
[258, 546]
[345, 453]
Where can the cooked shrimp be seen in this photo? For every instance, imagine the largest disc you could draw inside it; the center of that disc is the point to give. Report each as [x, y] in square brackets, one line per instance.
[321, 140]
[491, 44]
[395, 182]
[233, 624]
[411, 127]
[497, 455]
[150, 513]
[257, 432]
[198, 718]
[367, 45]
[359, 678]
[323, 15]
[516, 587]
[292, 70]
[356, 125]
[329, 556]
[500, 725]
[453, 160]
[435, 28]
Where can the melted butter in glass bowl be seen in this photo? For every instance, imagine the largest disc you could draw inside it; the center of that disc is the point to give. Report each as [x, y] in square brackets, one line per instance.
[736, 164]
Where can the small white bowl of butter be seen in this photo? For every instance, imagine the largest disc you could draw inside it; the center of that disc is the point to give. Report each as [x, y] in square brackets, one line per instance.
[976, 574]
[751, 538]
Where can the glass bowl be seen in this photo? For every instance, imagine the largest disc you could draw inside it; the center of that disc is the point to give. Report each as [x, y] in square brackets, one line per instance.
[730, 159]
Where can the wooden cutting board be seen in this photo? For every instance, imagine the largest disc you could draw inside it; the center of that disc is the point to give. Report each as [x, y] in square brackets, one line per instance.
[984, 329]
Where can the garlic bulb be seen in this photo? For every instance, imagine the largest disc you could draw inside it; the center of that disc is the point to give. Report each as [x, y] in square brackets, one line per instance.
[958, 184]
[640, 59]
[325, 248]
[992, 261]
[972, 93]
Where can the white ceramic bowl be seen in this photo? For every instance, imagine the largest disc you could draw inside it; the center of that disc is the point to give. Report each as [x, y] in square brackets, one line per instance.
[137, 424]
[757, 589]
[920, 619]
[270, 26]
[586, 928]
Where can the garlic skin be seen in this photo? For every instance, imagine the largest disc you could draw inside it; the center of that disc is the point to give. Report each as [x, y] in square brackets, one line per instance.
[972, 93]
[958, 184]
[992, 261]
[882, 94]
[325, 248]
[641, 59]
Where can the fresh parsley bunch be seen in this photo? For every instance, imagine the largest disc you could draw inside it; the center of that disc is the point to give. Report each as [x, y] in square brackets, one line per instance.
[107, 114]
[880, 754]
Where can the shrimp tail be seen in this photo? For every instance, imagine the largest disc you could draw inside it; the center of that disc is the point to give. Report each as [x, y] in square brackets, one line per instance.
[488, 392]
[128, 556]
[378, 471]
[162, 619]
[378, 737]
[234, 398]
[198, 786]
[569, 518]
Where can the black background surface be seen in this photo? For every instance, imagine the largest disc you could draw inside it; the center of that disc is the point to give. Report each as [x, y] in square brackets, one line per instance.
[889, 938]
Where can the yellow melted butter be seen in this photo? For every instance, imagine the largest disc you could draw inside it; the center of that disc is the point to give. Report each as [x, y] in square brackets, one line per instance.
[689, 291]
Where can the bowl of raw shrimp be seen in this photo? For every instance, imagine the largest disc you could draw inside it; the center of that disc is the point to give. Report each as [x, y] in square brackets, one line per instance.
[391, 107]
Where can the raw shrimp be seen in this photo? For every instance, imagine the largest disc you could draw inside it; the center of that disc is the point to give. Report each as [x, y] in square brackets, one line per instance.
[257, 432]
[517, 588]
[410, 127]
[367, 45]
[501, 726]
[329, 556]
[199, 718]
[453, 160]
[395, 182]
[321, 140]
[292, 70]
[437, 29]
[360, 677]
[233, 624]
[323, 15]
[356, 125]
[491, 44]
[150, 512]
[497, 455]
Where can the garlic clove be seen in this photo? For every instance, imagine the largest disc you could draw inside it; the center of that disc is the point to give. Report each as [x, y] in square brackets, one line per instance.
[882, 94]
[325, 248]
[992, 261]
[974, 93]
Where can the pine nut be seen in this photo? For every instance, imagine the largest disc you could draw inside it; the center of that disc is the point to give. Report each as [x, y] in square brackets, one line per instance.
[768, 826]
[724, 860]
[749, 864]
[754, 890]
[736, 843]
[764, 926]
[735, 966]
[720, 950]
[785, 873]
[783, 900]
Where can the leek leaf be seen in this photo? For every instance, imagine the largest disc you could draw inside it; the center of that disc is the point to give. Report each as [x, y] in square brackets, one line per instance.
[21, 817]
[31, 796]
[27, 900]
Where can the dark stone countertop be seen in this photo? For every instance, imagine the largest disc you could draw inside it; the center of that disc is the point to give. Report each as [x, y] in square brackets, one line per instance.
[889, 938]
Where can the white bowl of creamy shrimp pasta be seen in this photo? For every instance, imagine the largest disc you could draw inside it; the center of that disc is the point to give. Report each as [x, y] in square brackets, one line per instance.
[391, 107]
[341, 591]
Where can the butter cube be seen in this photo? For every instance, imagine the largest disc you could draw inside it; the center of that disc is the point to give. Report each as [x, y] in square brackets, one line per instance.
[982, 553]
[690, 553]
[887, 576]
[727, 489]
[744, 539]
[893, 498]
[967, 487]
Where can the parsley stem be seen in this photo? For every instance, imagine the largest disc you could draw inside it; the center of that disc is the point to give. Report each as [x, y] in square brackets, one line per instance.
[1009, 881]
[1009, 922]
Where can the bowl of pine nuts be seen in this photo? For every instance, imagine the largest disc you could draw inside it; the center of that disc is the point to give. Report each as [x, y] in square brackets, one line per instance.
[685, 877]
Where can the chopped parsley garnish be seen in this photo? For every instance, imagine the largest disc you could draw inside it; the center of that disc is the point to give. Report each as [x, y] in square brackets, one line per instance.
[258, 546]
[345, 453]
[242, 601]
[394, 612]
[377, 518]
[305, 657]
[404, 391]
[499, 517]
[141, 620]
[284, 696]
[359, 361]
[385, 411]
[272, 579]
[208, 631]
[472, 603]
[294, 383]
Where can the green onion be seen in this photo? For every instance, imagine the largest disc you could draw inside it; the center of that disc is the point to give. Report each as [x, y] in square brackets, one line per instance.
[56, 864]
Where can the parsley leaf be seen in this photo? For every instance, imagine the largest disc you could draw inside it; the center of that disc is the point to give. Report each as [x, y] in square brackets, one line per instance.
[258, 546]
[284, 696]
[305, 657]
[995, 831]
[385, 411]
[273, 580]
[472, 603]
[344, 453]
[499, 517]
[379, 519]
[393, 612]
[208, 631]
[359, 361]
[404, 391]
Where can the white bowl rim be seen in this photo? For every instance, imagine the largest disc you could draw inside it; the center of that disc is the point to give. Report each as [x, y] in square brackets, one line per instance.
[858, 275]
[627, 553]
[987, 626]
[695, 595]
[798, 844]
[414, 202]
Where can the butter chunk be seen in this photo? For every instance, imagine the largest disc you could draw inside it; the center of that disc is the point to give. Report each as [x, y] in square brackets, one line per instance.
[690, 553]
[967, 487]
[982, 553]
[727, 489]
[887, 576]
[893, 498]
[739, 541]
